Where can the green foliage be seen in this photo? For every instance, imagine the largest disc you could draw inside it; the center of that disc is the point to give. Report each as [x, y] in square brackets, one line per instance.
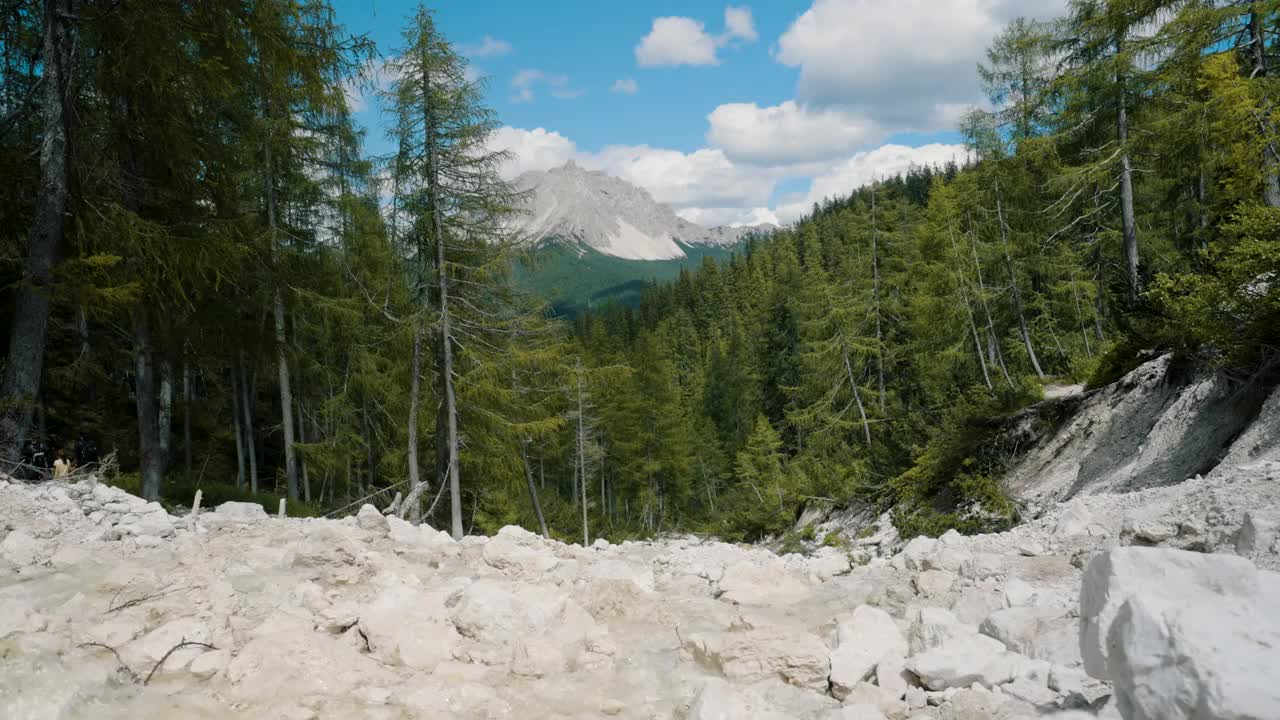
[1229, 310]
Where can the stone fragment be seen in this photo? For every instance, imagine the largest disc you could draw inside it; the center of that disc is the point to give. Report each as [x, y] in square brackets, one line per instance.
[862, 640]
[961, 662]
[373, 521]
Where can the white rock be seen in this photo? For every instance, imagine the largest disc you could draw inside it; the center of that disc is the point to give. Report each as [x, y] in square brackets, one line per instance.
[241, 511]
[932, 627]
[1030, 692]
[1018, 593]
[891, 675]
[857, 712]
[933, 583]
[408, 628]
[209, 664]
[1073, 521]
[1195, 636]
[1259, 532]
[716, 700]
[19, 548]
[1040, 633]
[1160, 576]
[373, 521]
[286, 658]
[916, 552]
[981, 566]
[762, 653]
[147, 650]
[962, 662]
[518, 557]
[862, 640]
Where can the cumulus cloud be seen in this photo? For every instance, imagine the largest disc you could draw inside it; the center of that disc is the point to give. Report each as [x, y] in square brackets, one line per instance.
[674, 41]
[787, 133]
[704, 178]
[907, 63]
[738, 24]
[524, 86]
[487, 47]
[706, 186]
[627, 86]
[537, 149]
[731, 217]
[866, 167]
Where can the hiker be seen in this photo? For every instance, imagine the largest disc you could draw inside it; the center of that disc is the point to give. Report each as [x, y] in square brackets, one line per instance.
[61, 466]
[86, 452]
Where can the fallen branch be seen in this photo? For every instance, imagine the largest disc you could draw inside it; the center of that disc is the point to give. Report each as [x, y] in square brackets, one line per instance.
[132, 675]
[182, 644]
[168, 589]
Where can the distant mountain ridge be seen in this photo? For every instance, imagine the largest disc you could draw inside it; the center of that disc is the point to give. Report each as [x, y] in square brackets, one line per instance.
[571, 205]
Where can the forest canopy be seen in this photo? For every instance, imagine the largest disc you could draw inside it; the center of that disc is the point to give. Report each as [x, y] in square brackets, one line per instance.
[205, 273]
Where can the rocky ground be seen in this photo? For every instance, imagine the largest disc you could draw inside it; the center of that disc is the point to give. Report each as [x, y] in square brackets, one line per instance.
[110, 607]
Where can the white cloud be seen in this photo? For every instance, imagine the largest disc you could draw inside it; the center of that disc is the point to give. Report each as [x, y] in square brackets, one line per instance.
[903, 63]
[675, 41]
[867, 167]
[487, 47]
[787, 133]
[537, 149]
[704, 177]
[732, 217]
[706, 186]
[738, 24]
[525, 82]
[626, 86]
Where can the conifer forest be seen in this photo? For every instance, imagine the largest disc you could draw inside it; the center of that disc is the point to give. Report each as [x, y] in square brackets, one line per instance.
[205, 273]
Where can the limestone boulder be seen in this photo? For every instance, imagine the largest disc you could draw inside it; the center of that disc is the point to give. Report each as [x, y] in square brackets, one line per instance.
[754, 654]
[1040, 633]
[1182, 635]
[961, 662]
[932, 627]
[369, 519]
[241, 512]
[862, 640]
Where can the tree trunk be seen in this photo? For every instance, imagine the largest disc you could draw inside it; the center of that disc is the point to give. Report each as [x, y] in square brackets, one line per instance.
[302, 462]
[1270, 153]
[533, 489]
[961, 281]
[149, 450]
[875, 291]
[582, 460]
[449, 410]
[235, 421]
[249, 439]
[286, 396]
[415, 399]
[30, 331]
[853, 384]
[1084, 329]
[165, 419]
[992, 342]
[1128, 219]
[186, 414]
[366, 431]
[1017, 294]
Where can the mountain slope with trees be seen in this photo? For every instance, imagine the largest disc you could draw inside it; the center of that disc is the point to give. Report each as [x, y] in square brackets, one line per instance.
[204, 277]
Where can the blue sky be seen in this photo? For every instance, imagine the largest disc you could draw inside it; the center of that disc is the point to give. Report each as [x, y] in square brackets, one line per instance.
[730, 113]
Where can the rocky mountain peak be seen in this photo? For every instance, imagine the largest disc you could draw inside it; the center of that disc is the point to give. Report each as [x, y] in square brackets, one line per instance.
[571, 204]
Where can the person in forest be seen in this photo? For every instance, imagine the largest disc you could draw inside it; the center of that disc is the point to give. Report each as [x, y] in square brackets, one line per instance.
[86, 452]
[61, 465]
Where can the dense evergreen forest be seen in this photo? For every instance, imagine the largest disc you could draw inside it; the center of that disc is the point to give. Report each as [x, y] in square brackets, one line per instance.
[204, 274]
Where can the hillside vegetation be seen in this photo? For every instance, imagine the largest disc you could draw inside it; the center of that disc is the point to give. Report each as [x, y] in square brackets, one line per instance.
[203, 275]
